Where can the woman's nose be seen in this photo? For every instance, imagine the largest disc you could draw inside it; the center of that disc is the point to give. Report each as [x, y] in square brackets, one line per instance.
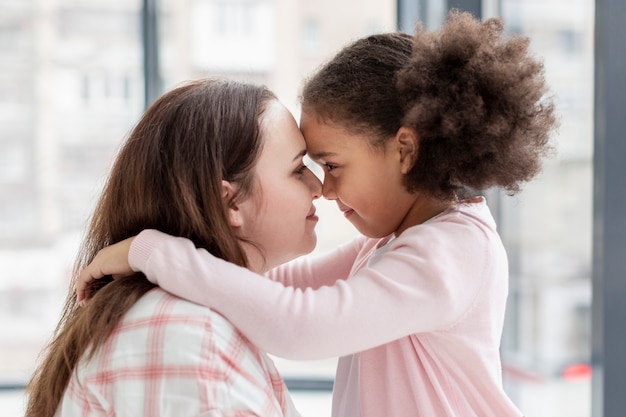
[314, 184]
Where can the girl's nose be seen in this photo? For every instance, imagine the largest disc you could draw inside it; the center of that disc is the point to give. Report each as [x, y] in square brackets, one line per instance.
[328, 188]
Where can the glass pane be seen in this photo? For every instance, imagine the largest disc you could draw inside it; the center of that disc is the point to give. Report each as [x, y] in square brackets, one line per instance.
[71, 86]
[547, 228]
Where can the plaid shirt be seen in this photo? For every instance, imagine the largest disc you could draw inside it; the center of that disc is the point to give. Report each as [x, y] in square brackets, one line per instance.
[170, 357]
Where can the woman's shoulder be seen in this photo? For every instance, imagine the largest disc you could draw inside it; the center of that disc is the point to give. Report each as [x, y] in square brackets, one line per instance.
[177, 325]
[160, 303]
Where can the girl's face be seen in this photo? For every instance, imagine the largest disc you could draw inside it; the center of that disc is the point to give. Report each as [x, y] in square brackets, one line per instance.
[279, 217]
[365, 182]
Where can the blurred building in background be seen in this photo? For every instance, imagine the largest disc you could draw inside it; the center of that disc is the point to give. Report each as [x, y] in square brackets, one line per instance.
[547, 228]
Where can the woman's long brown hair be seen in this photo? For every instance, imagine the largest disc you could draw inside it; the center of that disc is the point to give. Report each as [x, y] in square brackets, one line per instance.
[167, 176]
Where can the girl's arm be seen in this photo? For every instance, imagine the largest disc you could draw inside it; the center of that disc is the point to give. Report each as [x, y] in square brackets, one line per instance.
[308, 272]
[304, 273]
[427, 280]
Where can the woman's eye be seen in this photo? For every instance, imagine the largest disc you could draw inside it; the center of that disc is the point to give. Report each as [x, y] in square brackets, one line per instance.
[301, 169]
[330, 167]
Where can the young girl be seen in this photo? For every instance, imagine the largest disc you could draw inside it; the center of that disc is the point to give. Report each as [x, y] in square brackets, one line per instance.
[217, 162]
[405, 129]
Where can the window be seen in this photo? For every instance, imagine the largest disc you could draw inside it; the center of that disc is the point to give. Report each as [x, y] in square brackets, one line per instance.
[71, 88]
[233, 36]
[69, 91]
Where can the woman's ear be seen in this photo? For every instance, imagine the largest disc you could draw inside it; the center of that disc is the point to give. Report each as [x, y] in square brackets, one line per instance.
[232, 212]
[407, 141]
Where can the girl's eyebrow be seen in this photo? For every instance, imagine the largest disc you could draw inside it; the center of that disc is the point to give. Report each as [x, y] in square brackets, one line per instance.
[321, 155]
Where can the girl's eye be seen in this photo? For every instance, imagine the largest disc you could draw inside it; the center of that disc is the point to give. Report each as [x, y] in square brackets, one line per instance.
[330, 167]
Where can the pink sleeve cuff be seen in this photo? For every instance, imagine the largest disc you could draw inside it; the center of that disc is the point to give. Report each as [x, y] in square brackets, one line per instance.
[141, 249]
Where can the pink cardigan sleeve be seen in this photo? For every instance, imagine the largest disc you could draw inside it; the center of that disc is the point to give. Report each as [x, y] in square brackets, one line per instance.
[308, 272]
[427, 280]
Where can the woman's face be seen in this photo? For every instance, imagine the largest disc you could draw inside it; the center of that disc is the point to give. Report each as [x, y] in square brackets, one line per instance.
[279, 216]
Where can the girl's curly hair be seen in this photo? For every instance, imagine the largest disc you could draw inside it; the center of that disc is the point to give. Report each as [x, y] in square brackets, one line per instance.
[477, 101]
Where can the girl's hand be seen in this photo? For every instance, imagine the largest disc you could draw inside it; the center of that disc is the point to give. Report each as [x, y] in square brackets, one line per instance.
[112, 260]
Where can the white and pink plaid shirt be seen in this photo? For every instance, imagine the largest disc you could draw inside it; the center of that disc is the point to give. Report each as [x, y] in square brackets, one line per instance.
[172, 358]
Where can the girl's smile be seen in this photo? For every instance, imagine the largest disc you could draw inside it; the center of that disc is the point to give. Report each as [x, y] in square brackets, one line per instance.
[366, 183]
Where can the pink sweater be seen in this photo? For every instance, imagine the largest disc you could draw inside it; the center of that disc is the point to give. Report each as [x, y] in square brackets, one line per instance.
[417, 318]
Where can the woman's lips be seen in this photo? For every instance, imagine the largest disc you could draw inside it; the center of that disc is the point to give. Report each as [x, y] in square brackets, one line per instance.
[348, 212]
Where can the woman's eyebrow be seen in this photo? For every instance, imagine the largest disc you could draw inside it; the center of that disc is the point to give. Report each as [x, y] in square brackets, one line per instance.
[300, 155]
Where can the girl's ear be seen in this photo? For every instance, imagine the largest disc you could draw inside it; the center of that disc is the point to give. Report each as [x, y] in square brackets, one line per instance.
[407, 141]
[234, 215]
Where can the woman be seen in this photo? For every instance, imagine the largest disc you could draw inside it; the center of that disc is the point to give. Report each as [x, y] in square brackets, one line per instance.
[216, 162]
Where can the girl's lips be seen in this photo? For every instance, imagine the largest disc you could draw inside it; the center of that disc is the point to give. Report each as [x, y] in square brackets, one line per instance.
[312, 216]
[348, 212]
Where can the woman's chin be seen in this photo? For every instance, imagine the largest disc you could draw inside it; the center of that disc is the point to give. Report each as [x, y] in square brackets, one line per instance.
[306, 247]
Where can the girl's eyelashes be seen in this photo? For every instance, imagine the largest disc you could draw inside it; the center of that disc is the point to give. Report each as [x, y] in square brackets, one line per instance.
[329, 167]
[326, 166]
